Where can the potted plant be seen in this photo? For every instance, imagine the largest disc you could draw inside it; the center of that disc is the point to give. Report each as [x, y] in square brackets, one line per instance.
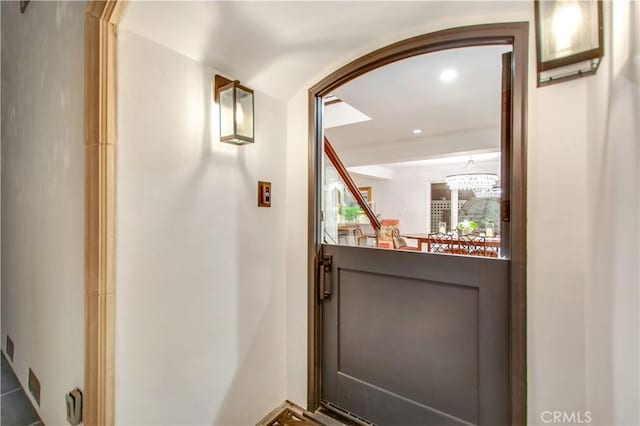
[350, 213]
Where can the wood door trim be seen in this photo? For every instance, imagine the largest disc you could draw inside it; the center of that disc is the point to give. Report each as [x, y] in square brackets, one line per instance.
[515, 34]
[101, 19]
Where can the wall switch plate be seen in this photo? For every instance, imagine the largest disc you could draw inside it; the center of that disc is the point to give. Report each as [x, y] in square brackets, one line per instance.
[10, 347]
[264, 194]
[34, 386]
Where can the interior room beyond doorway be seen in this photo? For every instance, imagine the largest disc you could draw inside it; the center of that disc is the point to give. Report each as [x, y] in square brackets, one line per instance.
[404, 133]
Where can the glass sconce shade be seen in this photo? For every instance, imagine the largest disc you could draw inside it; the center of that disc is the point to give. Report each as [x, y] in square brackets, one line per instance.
[235, 103]
[567, 28]
[244, 112]
[569, 36]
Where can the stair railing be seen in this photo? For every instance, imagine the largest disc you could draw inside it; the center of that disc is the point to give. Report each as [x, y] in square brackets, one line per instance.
[353, 188]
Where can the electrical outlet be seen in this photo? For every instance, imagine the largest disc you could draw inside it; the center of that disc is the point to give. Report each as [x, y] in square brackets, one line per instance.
[74, 407]
[10, 347]
[34, 386]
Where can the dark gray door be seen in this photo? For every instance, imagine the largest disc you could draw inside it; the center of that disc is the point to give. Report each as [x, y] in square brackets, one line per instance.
[416, 338]
[413, 338]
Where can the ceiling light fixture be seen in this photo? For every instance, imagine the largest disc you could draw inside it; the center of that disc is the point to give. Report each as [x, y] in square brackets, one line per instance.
[471, 178]
[494, 192]
[417, 131]
[448, 75]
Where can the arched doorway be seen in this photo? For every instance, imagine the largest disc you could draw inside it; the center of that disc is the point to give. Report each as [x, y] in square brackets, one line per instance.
[502, 384]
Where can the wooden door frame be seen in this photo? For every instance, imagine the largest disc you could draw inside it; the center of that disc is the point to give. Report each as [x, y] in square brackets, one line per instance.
[515, 34]
[101, 20]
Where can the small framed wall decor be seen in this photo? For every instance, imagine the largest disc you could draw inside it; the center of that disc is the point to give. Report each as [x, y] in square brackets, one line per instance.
[264, 194]
[365, 191]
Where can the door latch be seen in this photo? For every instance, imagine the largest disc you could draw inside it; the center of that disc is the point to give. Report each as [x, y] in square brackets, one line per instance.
[324, 288]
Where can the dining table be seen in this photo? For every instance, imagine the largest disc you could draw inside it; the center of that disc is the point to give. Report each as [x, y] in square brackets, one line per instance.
[452, 238]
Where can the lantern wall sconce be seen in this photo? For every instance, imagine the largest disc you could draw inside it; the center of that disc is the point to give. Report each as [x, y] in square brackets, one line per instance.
[235, 103]
[569, 39]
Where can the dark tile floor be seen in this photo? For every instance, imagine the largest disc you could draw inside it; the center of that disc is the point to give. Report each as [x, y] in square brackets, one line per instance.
[15, 405]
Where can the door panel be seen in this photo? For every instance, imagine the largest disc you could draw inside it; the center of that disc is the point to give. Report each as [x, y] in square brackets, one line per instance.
[415, 338]
[436, 320]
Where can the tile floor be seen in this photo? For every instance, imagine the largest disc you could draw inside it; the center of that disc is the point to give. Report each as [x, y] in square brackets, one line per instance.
[15, 405]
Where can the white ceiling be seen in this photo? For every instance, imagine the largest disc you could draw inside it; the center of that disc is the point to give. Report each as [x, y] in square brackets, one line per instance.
[409, 95]
[436, 169]
[459, 116]
[282, 47]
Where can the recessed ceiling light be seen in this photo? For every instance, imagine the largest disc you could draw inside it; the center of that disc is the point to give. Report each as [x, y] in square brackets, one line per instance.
[448, 75]
[417, 131]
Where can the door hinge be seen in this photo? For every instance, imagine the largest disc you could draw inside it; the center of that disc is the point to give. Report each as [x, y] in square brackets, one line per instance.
[324, 265]
[505, 211]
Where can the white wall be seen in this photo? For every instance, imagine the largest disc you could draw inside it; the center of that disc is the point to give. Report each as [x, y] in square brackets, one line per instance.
[406, 196]
[569, 339]
[200, 274]
[296, 240]
[613, 256]
[43, 197]
[556, 250]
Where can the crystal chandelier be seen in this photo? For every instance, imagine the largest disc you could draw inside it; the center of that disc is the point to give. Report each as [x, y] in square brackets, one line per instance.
[488, 193]
[472, 178]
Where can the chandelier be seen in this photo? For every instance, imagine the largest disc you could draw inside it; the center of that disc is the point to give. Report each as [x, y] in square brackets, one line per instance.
[488, 193]
[472, 178]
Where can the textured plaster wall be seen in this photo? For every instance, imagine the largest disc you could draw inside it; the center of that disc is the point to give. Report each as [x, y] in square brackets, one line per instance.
[200, 269]
[43, 196]
[613, 221]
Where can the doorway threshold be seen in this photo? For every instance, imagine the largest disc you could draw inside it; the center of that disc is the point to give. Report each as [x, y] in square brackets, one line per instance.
[329, 417]
[290, 414]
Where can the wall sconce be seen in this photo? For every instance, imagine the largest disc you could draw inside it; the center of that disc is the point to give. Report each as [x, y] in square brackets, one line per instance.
[569, 38]
[235, 103]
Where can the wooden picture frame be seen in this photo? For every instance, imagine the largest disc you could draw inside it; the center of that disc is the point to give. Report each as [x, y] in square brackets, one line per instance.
[366, 193]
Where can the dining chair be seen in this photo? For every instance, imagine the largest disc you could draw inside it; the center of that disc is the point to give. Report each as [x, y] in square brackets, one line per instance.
[359, 237]
[439, 243]
[400, 243]
[473, 244]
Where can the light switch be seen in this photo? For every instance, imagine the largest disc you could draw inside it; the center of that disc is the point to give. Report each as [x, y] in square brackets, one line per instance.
[264, 194]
